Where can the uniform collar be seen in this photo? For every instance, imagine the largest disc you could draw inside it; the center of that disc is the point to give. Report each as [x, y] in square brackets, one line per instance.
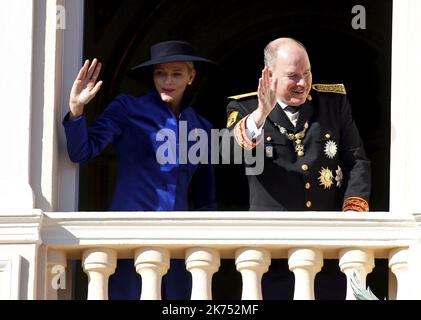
[282, 104]
[306, 111]
[279, 117]
[276, 116]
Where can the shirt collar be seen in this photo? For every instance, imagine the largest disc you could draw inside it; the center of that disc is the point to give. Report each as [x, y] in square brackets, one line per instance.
[283, 105]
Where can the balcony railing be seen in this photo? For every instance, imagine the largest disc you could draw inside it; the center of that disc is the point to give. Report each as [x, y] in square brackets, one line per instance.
[251, 238]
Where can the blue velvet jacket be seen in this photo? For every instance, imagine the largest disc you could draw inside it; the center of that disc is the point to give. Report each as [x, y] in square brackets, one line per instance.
[133, 125]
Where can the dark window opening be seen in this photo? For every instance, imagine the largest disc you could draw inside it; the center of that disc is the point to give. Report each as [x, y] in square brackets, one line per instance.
[234, 34]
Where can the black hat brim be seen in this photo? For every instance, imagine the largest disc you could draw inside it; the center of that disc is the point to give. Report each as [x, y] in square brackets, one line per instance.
[143, 69]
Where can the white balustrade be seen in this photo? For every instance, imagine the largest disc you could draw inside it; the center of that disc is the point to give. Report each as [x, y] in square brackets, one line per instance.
[251, 238]
[99, 264]
[358, 261]
[252, 263]
[56, 266]
[305, 263]
[152, 264]
[398, 264]
[202, 264]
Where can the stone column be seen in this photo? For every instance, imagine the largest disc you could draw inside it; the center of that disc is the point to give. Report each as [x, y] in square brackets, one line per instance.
[398, 264]
[404, 157]
[252, 263]
[358, 261]
[152, 264]
[99, 264]
[305, 263]
[202, 264]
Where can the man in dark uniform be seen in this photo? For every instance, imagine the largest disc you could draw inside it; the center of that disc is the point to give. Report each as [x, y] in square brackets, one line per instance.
[313, 154]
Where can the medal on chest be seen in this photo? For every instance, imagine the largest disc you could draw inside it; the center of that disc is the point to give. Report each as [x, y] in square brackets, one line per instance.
[330, 149]
[296, 138]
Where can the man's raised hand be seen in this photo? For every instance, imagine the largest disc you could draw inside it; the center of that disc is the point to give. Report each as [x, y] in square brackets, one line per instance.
[266, 94]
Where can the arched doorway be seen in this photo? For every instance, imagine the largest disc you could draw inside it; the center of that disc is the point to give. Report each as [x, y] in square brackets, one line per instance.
[234, 34]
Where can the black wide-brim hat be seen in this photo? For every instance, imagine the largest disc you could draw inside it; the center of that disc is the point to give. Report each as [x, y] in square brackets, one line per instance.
[169, 51]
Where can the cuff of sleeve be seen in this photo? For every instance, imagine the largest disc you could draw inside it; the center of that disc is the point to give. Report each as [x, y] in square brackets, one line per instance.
[355, 204]
[67, 118]
[240, 134]
[252, 130]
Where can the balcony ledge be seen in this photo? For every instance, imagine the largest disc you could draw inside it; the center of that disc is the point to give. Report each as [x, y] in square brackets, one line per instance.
[225, 231]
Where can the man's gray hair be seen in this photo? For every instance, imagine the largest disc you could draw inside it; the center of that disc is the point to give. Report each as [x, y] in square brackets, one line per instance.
[271, 50]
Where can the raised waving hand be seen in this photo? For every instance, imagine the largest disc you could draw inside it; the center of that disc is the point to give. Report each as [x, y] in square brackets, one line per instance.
[266, 93]
[85, 87]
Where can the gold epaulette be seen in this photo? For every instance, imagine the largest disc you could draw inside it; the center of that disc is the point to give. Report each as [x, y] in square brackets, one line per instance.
[332, 88]
[244, 95]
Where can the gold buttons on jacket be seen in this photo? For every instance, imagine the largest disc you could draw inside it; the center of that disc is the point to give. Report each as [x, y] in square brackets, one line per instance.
[269, 139]
[307, 186]
[304, 167]
[327, 136]
[308, 204]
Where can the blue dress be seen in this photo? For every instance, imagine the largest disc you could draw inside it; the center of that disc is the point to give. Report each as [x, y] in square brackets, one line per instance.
[151, 146]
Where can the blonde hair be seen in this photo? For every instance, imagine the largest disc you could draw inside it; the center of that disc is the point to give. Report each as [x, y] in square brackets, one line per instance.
[190, 65]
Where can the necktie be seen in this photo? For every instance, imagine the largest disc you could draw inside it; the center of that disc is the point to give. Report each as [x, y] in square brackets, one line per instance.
[292, 113]
[292, 109]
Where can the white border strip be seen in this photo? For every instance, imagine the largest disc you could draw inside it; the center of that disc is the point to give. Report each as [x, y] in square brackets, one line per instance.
[72, 62]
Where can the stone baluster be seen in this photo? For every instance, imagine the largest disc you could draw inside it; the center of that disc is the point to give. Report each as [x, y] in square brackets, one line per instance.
[252, 263]
[56, 273]
[305, 263]
[99, 264]
[359, 261]
[398, 264]
[202, 263]
[152, 264]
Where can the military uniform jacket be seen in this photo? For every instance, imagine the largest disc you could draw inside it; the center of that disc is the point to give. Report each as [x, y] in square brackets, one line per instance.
[132, 124]
[332, 172]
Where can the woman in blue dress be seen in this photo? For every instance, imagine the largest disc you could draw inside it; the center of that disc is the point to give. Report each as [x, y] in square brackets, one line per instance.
[151, 175]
